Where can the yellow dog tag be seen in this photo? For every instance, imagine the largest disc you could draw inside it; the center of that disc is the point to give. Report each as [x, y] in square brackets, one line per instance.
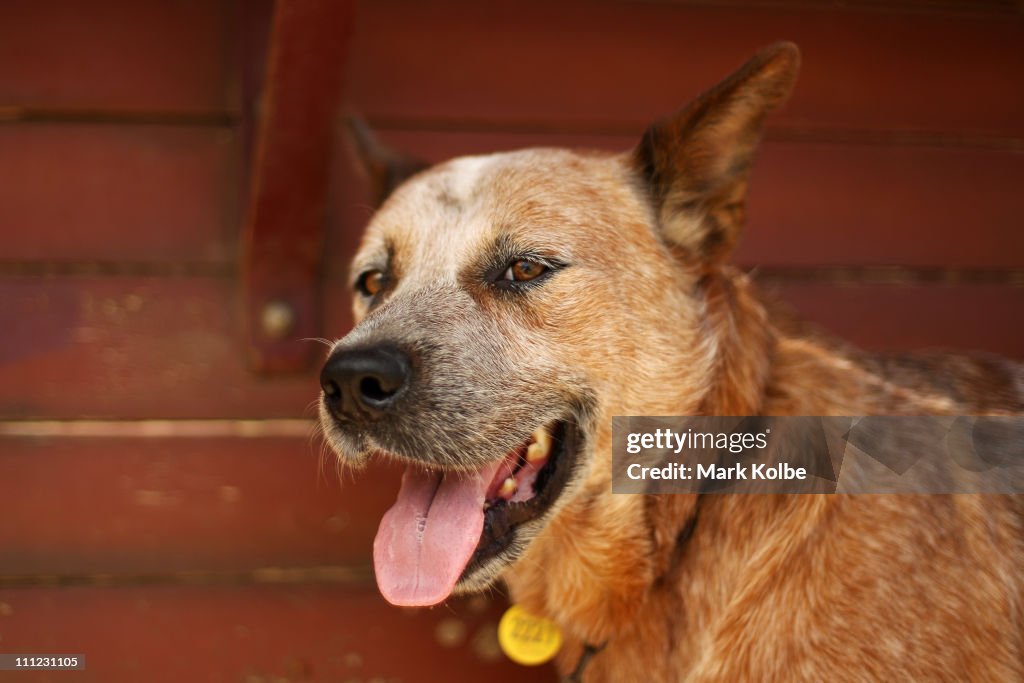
[527, 639]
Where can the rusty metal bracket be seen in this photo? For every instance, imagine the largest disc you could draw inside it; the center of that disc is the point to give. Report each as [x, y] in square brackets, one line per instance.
[291, 157]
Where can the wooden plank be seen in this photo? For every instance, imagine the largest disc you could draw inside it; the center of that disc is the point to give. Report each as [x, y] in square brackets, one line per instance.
[152, 506]
[852, 204]
[968, 317]
[121, 55]
[813, 203]
[150, 347]
[118, 193]
[256, 634]
[618, 64]
[156, 194]
[129, 56]
[128, 347]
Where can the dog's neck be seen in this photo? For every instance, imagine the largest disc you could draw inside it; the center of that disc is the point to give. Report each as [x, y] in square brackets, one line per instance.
[744, 347]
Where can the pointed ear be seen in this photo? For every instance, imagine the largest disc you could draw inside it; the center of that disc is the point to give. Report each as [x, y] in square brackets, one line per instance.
[697, 161]
[386, 168]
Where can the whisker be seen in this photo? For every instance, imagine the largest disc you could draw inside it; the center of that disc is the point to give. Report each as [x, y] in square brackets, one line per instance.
[370, 210]
[312, 409]
[320, 340]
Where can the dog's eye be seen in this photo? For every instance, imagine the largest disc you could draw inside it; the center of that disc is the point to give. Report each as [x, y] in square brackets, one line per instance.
[370, 283]
[524, 270]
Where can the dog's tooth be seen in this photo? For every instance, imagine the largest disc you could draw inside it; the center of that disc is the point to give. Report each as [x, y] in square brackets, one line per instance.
[508, 488]
[541, 446]
[536, 452]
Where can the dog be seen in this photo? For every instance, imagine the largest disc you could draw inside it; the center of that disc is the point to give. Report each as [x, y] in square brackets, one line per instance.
[509, 305]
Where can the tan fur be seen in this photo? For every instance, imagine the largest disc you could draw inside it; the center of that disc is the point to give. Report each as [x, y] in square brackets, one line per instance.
[649, 320]
[857, 588]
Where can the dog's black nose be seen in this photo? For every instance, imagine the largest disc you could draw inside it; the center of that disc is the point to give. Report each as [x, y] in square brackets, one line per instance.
[361, 384]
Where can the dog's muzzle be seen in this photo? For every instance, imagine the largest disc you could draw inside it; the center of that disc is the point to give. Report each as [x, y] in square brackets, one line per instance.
[487, 455]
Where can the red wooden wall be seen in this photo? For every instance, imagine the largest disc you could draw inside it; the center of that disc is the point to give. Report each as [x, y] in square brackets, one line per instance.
[166, 513]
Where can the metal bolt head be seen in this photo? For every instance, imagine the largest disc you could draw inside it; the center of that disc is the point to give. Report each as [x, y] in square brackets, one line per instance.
[450, 632]
[485, 643]
[277, 319]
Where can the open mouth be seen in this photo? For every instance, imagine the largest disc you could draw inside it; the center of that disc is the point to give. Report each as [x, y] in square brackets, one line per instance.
[446, 525]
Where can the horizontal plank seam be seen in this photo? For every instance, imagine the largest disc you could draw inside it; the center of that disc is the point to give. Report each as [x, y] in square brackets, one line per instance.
[15, 114]
[353, 575]
[184, 429]
[890, 276]
[950, 7]
[47, 269]
[806, 134]
[777, 133]
[867, 274]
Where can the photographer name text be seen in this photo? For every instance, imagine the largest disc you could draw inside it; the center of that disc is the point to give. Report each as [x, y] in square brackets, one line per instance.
[679, 471]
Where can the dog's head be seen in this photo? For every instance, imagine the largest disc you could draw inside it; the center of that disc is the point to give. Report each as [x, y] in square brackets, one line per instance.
[510, 304]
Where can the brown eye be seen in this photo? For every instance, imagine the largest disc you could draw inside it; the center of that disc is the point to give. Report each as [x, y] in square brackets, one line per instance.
[370, 282]
[524, 270]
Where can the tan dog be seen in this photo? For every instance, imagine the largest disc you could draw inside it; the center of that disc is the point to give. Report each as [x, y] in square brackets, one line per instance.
[511, 304]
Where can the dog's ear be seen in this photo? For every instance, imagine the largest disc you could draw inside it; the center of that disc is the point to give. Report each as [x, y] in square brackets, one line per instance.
[386, 168]
[697, 161]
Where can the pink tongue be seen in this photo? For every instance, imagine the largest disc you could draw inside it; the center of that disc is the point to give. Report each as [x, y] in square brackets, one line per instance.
[425, 540]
